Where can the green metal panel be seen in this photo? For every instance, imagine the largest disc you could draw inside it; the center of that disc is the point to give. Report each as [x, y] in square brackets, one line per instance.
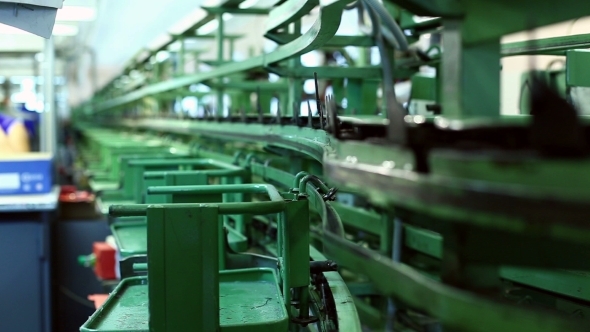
[424, 87]
[574, 284]
[361, 96]
[296, 244]
[423, 240]
[184, 282]
[576, 68]
[130, 236]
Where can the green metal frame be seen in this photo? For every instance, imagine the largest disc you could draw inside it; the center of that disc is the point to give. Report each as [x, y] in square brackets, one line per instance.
[168, 292]
[480, 218]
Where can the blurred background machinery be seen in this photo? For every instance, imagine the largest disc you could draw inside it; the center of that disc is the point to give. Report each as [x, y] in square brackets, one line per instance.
[321, 165]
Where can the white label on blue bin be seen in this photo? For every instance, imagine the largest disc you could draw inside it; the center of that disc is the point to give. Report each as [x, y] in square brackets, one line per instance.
[30, 177]
[9, 181]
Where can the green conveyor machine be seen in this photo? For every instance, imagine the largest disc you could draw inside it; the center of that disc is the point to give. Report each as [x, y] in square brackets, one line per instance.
[270, 208]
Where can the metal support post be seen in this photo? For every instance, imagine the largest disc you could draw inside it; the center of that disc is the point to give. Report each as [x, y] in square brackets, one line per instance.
[48, 137]
[295, 84]
[232, 42]
[183, 292]
[196, 61]
[361, 96]
[471, 73]
[181, 53]
[219, 38]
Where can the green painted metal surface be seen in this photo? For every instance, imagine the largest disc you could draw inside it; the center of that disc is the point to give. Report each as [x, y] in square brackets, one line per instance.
[474, 200]
[183, 293]
[575, 74]
[248, 300]
[130, 236]
[198, 224]
[570, 283]
[125, 311]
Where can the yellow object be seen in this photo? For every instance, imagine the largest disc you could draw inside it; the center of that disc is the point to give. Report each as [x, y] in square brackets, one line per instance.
[16, 140]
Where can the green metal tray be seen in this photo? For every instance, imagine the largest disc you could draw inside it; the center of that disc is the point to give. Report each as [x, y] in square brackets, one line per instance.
[100, 185]
[249, 301]
[126, 309]
[130, 234]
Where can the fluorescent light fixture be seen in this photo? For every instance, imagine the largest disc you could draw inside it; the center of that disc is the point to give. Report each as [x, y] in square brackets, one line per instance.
[248, 4]
[188, 21]
[75, 13]
[208, 27]
[65, 30]
[212, 26]
[175, 47]
[160, 41]
[142, 55]
[162, 56]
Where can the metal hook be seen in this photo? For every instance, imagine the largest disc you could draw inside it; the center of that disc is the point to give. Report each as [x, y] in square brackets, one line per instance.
[332, 115]
[295, 118]
[309, 116]
[317, 99]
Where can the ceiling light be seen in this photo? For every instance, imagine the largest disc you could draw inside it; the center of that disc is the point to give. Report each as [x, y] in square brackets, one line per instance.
[175, 47]
[247, 4]
[213, 25]
[75, 13]
[188, 21]
[160, 41]
[208, 27]
[162, 56]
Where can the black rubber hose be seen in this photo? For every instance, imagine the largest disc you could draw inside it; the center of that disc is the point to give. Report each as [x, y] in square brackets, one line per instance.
[372, 30]
[352, 6]
[387, 70]
[390, 23]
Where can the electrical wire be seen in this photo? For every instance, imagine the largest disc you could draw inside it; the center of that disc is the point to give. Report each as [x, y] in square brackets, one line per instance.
[388, 81]
[389, 22]
[390, 30]
[525, 84]
[372, 30]
[571, 26]
[395, 111]
[553, 62]
[75, 297]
